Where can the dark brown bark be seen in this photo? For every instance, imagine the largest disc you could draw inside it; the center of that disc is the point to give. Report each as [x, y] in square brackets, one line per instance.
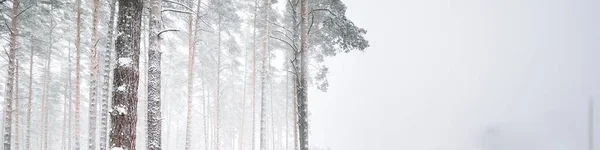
[126, 75]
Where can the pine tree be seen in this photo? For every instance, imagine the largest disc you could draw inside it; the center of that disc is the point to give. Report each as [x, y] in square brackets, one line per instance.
[154, 75]
[124, 101]
[14, 33]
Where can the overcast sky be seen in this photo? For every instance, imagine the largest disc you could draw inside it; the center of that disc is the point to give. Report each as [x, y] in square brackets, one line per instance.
[463, 75]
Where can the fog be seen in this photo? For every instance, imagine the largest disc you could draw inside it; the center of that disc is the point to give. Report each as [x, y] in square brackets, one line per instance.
[463, 75]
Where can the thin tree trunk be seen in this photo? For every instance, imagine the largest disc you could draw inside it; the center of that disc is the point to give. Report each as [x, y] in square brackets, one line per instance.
[67, 123]
[154, 75]
[14, 32]
[78, 77]
[123, 117]
[17, 108]
[191, 46]
[93, 108]
[254, 74]
[29, 98]
[106, 74]
[218, 95]
[46, 91]
[241, 137]
[265, 74]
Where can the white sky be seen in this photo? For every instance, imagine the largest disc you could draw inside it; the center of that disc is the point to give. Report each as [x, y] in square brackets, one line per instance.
[463, 75]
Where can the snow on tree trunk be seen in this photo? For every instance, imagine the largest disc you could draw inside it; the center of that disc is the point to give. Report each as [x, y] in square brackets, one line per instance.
[94, 79]
[78, 78]
[106, 77]
[29, 98]
[154, 74]
[255, 22]
[191, 46]
[17, 110]
[46, 91]
[14, 32]
[265, 74]
[218, 95]
[126, 75]
[302, 88]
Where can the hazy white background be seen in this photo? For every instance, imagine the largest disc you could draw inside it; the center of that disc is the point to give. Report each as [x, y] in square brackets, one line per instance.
[463, 75]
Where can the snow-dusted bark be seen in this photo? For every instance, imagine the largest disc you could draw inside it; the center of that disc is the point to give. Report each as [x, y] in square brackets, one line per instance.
[218, 95]
[154, 74]
[14, 32]
[303, 83]
[94, 79]
[126, 75]
[191, 48]
[17, 110]
[29, 98]
[78, 78]
[265, 77]
[255, 22]
[106, 77]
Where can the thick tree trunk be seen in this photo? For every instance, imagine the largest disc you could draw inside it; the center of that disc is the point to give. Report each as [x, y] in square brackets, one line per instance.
[106, 74]
[154, 74]
[302, 88]
[14, 32]
[124, 100]
[265, 74]
[93, 108]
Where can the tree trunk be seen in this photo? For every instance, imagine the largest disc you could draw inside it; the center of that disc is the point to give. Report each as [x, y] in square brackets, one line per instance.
[154, 74]
[17, 108]
[46, 90]
[218, 95]
[29, 98]
[67, 123]
[302, 88]
[123, 117]
[78, 78]
[265, 74]
[254, 75]
[106, 74]
[14, 32]
[191, 46]
[93, 108]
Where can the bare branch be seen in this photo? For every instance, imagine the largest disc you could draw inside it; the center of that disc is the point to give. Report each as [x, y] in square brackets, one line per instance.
[175, 10]
[167, 30]
[22, 11]
[280, 26]
[286, 42]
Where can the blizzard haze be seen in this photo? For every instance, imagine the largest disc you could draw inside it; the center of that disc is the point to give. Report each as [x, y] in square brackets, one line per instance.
[463, 75]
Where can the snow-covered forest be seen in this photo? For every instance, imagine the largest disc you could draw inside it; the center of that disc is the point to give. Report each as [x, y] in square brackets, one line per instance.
[166, 74]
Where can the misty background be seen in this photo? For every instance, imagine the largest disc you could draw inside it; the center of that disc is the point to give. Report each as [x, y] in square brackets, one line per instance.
[463, 75]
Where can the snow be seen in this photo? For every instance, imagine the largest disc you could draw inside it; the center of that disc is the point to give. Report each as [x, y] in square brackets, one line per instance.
[121, 110]
[122, 88]
[117, 148]
[125, 61]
